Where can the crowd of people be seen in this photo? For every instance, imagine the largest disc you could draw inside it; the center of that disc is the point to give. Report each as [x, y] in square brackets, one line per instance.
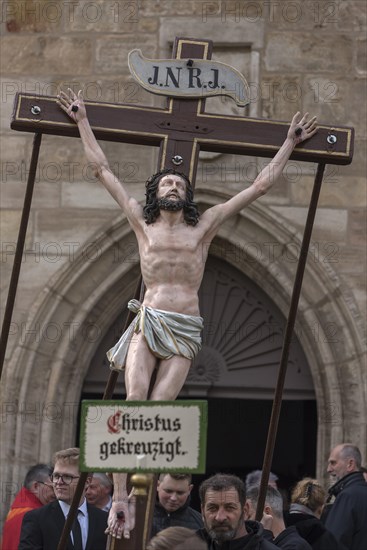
[315, 519]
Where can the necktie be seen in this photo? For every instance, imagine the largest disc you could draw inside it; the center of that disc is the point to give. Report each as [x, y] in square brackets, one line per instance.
[77, 534]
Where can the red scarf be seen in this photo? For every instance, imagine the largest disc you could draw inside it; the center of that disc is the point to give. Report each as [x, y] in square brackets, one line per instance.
[23, 503]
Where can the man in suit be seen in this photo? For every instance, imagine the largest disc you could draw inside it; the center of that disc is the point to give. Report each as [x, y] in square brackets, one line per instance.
[42, 528]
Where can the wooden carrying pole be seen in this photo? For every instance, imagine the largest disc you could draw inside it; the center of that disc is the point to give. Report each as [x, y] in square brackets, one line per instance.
[277, 403]
[19, 249]
[108, 394]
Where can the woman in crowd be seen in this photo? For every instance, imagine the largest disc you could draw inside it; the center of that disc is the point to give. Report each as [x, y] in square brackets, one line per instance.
[307, 502]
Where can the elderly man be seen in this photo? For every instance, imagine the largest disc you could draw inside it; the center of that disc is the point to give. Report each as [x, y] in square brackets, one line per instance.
[42, 528]
[37, 491]
[99, 491]
[173, 245]
[347, 518]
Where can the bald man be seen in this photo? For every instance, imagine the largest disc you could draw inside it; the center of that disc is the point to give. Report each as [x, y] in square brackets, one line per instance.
[347, 519]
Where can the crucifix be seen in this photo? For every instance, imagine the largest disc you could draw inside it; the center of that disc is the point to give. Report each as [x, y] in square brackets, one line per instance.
[180, 131]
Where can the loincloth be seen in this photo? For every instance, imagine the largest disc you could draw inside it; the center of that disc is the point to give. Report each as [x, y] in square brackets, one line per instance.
[166, 333]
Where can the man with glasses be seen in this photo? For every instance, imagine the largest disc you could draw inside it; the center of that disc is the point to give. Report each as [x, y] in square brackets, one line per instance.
[37, 491]
[42, 528]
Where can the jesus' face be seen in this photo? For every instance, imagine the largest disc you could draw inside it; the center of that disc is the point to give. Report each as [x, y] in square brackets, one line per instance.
[171, 193]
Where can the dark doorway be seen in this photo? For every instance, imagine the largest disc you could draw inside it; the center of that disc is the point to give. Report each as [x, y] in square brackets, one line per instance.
[237, 432]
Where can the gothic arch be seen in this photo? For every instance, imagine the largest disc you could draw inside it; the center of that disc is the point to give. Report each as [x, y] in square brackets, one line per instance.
[80, 303]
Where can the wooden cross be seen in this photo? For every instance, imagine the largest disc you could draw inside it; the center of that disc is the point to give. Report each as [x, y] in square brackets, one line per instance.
[182, 129]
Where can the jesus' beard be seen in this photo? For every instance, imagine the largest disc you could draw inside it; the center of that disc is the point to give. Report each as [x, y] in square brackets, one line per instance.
[171, 206]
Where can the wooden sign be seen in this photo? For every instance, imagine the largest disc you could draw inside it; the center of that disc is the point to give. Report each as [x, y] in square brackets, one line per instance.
[143, 436]
[189, 78]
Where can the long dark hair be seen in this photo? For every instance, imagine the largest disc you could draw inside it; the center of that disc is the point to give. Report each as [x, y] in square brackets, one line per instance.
[151, 209]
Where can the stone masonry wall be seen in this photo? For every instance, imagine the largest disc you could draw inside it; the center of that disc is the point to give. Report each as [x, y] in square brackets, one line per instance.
[311, 57]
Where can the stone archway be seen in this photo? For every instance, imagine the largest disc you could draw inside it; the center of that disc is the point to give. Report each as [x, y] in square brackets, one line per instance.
[242, 341]
[46, 377]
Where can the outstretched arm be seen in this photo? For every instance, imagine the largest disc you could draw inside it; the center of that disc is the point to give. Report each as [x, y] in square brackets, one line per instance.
[300, 129]
[74, 106]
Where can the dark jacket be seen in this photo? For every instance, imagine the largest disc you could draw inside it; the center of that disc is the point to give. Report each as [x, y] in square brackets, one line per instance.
[254, 540]
[347, 519]
[42, 528]
[290, 539]
[312, 530]
[183, 517]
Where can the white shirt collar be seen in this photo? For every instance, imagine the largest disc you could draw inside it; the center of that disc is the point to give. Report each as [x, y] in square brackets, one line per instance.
[107, 506]
[66, 507]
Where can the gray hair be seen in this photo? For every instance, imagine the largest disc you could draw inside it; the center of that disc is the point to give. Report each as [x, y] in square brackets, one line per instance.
[273, 499]
[38, 472]
[103, 478]
[351, 451]
[254, 478]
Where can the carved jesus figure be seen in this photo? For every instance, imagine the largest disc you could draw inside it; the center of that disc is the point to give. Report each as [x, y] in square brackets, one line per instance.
[173, 246]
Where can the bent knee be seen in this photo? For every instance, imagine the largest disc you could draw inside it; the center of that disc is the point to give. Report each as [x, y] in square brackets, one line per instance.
[164, 394]
[137, 396]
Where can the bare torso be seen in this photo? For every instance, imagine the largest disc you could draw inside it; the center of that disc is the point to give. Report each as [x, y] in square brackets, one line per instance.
[172, 264]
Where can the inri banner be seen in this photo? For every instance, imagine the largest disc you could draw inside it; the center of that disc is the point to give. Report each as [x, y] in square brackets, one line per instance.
[145, 436]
